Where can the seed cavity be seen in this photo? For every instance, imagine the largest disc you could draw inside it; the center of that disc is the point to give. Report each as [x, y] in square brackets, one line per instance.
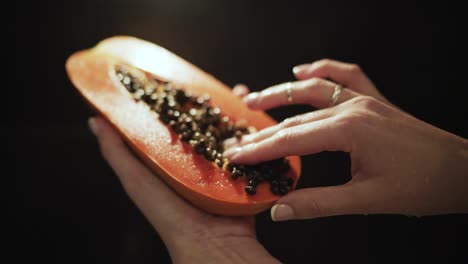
[203, 127]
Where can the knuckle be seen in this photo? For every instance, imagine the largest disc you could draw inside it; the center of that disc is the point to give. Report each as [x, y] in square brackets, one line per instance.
[283, 137]
[347, 121]
[314, 81]
[351, 119]
[292, 121]
[364, 111]
[314, 209]
[311, 83]
[323, 63]
[355, 69]
[367, 103]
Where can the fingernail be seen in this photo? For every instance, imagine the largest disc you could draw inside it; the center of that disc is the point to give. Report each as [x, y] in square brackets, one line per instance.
[297, 69]
[93, 125]
[281, 212]
[231, 152]
[230, 142]
[251, 98]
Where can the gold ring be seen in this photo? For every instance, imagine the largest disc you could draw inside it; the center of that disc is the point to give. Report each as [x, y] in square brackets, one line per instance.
[289, 92]
[336, 94]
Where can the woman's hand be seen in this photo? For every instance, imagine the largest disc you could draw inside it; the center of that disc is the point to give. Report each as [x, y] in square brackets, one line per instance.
[400, 164]
[191, 235]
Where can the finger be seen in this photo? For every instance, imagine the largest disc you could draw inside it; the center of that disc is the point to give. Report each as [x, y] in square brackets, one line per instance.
[270, 131]
[316, 92]
[347, 74]
[154, 198]
[240, 90]
[303, 139]
[320, 202]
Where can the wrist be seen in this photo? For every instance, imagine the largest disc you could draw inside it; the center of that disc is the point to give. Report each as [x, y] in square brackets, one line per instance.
[231, 249]
[444, 185]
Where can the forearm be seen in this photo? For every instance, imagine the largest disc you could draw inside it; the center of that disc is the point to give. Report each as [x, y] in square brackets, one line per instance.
[454, 196]
[239, 249]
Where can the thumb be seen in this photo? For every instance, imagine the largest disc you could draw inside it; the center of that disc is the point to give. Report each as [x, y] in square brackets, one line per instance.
[320, 202]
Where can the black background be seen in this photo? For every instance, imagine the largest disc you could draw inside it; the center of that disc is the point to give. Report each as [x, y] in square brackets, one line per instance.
[64, 203]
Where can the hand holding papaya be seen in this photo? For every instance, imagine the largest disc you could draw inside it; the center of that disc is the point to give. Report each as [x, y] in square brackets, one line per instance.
[190, 234]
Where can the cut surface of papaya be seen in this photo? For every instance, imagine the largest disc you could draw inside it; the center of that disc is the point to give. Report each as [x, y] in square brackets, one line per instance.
[110, 77]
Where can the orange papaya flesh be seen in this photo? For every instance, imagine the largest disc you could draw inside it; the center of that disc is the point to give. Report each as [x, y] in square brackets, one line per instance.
[94, 73]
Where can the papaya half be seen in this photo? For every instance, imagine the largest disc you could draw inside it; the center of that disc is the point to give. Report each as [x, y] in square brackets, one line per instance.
[152, 97]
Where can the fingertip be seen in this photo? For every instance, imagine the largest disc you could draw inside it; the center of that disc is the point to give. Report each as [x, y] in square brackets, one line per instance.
[245, 154]
[230, 142]
[251, 99]
[94, 126]
[231, 153]
[299, 69]
[240, 90]
[99, 126]
[281, 212]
